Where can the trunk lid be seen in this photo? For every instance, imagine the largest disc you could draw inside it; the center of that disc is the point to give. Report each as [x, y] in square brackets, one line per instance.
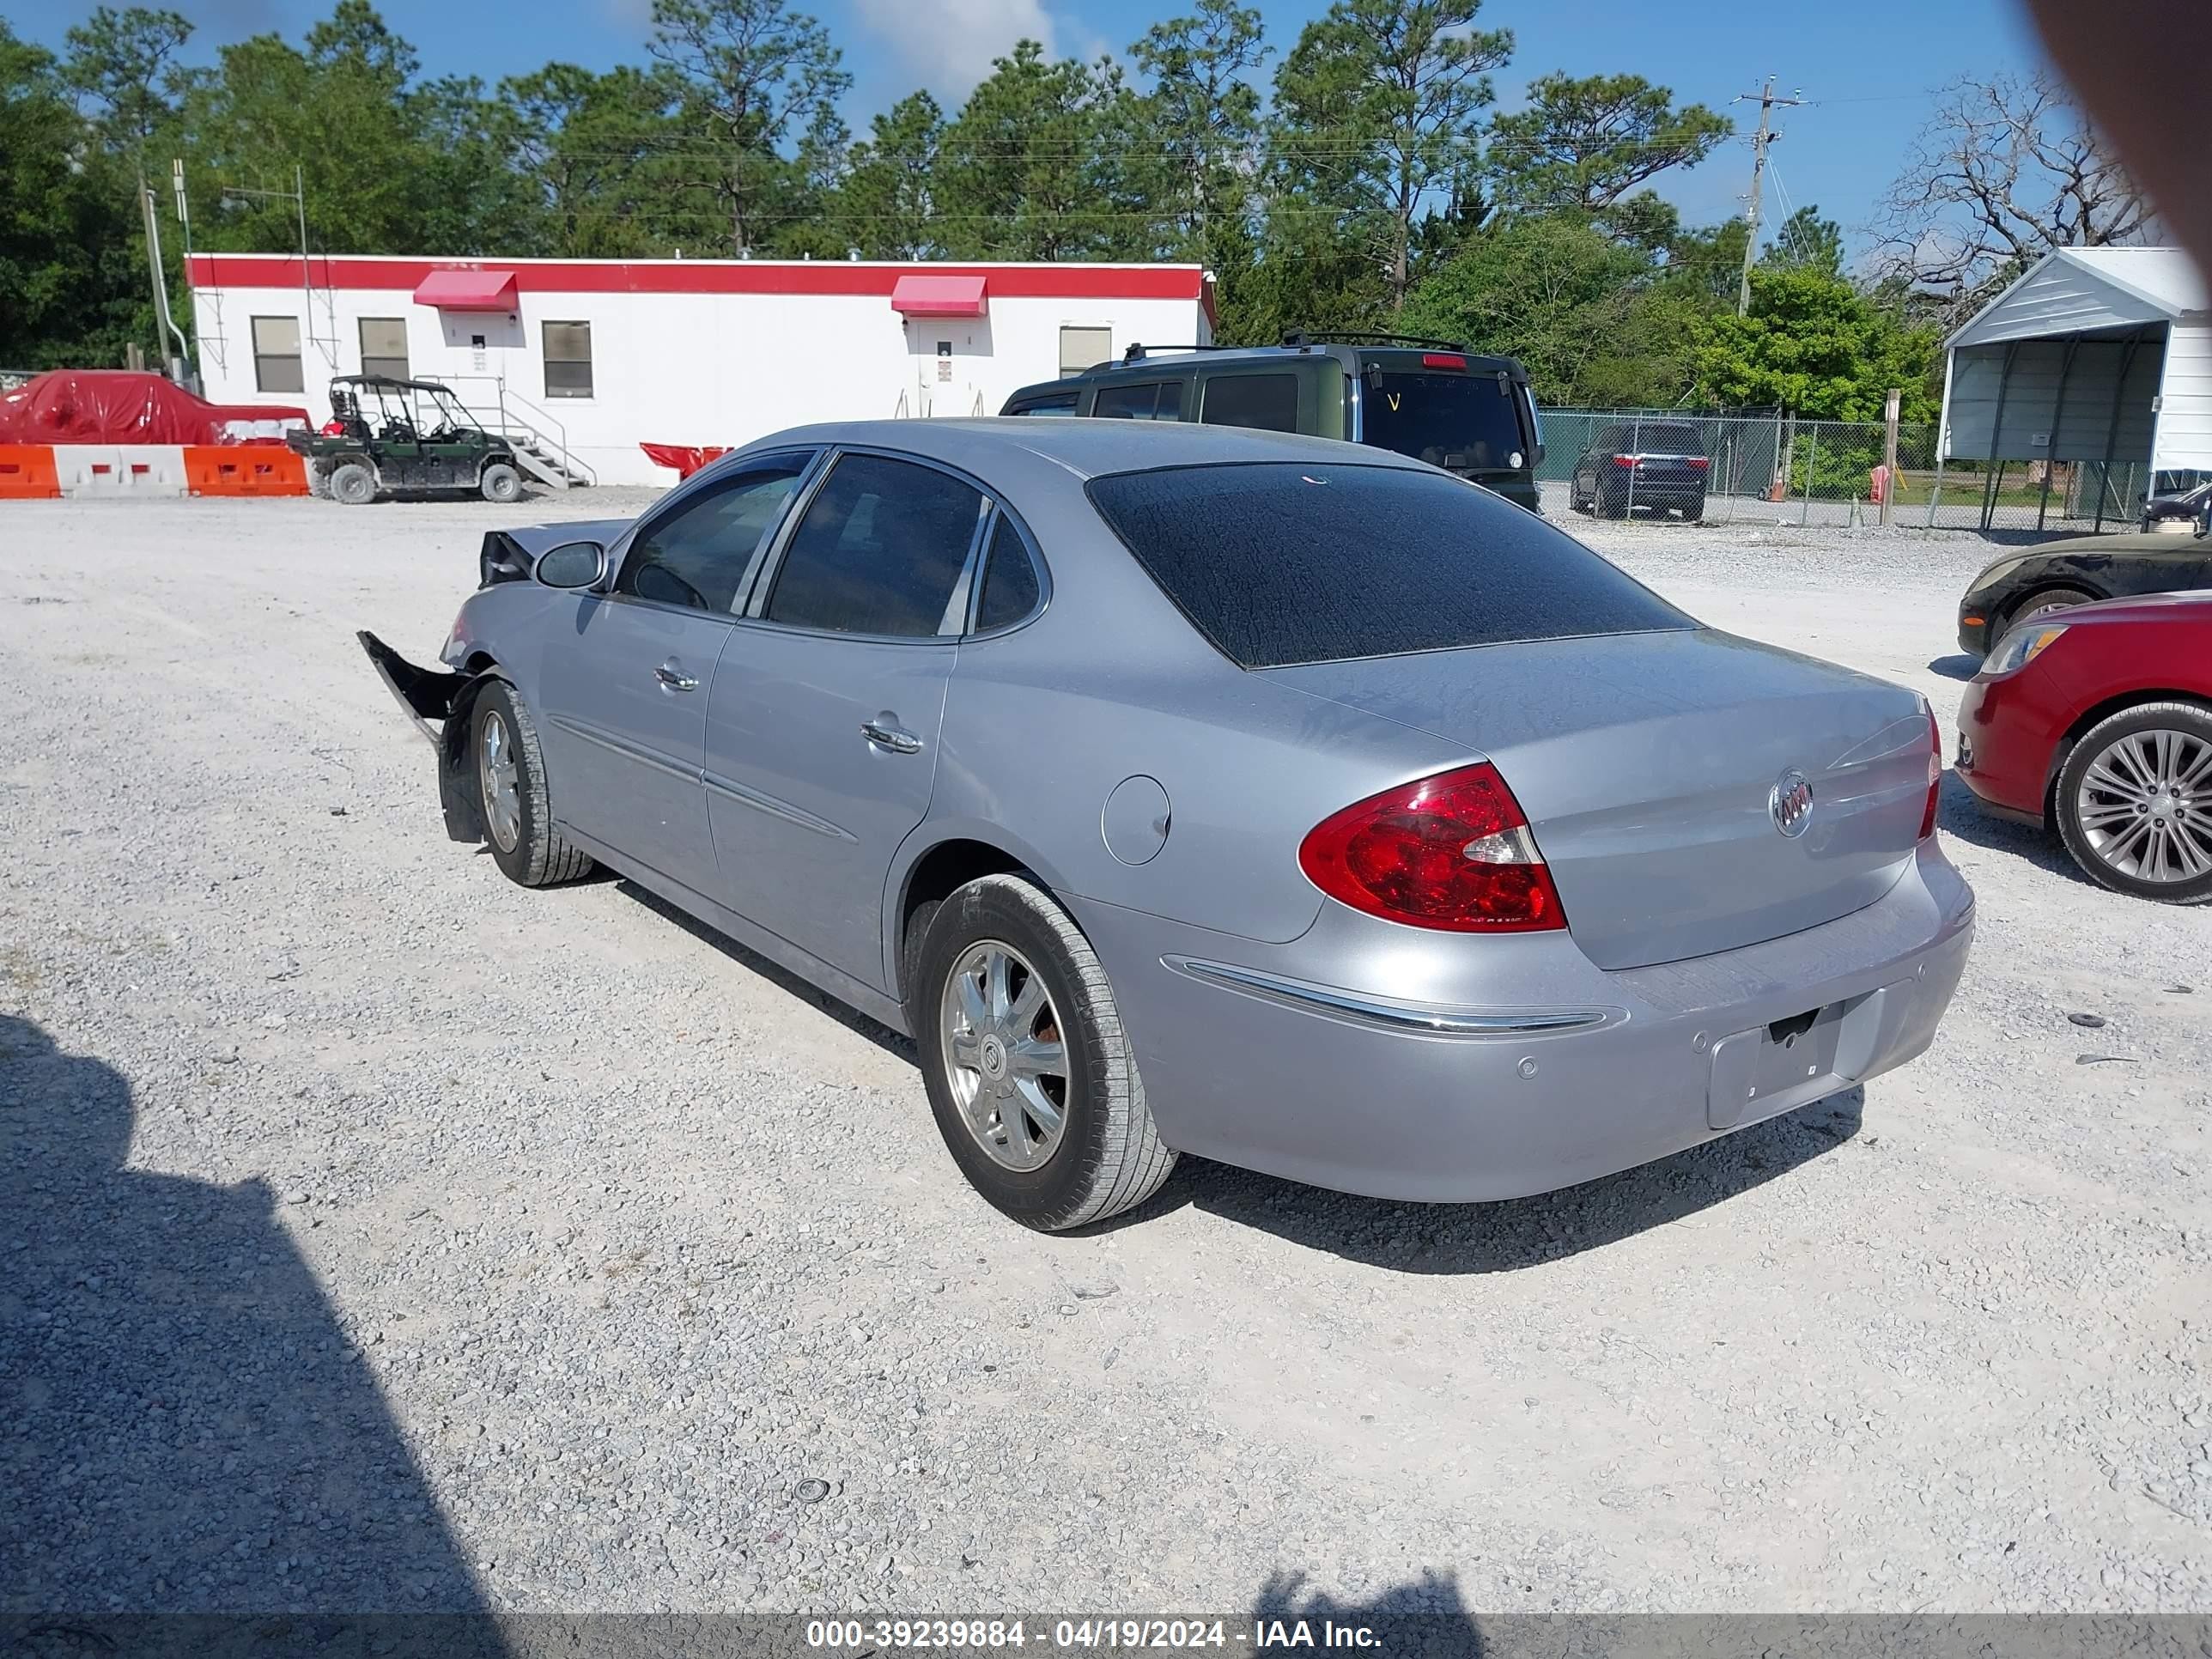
[1647, 763]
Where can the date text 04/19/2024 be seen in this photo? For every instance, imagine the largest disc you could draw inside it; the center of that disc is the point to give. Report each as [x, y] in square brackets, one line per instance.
[991, 1635]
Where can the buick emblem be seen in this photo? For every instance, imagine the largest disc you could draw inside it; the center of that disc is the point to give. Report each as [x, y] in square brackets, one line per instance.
[1790, 802]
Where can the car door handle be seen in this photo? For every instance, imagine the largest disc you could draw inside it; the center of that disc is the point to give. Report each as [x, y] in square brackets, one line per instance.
[885, 735]
[675, 678]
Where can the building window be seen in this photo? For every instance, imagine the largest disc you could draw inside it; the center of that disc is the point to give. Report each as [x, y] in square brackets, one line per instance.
[384, 346]
[1079, 348]
[568, 360]
[277, 355]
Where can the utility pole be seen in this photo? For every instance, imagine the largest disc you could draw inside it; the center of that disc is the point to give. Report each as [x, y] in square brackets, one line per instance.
[1767, 135]
[179, 365]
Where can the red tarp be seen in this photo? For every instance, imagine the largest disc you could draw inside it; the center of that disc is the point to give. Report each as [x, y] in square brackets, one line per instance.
[115, 406]
[686, 459]
[938, 296]
[467, 291]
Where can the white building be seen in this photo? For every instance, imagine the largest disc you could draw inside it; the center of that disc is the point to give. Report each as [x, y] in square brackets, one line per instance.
[599, 356]
[2100, 357]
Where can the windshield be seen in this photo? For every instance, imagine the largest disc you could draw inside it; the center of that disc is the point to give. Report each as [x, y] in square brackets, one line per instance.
[1276, 564]
[1466, 422]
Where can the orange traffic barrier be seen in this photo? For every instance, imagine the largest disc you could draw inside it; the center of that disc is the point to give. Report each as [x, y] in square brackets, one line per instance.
[26, 472]
[244, 469]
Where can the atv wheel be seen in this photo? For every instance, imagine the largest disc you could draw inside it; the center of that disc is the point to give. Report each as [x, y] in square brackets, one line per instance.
[501, 483]
[353, 483]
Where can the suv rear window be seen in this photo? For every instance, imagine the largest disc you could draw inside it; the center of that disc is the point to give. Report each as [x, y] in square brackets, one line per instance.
[1449, 420]
[1652, 438]
[1277, 563]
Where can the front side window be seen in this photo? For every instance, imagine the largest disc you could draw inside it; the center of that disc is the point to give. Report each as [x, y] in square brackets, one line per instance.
[879, 551]
[568, 360]
[277, 355]
[1269, 402]
[384, 346]
[696, 555]
[1277, 563]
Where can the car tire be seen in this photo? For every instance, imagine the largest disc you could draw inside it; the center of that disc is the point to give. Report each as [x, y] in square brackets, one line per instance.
[1695, 511]
[2167, 742]
[500, 483]
[1612, 507]
[2042, 602]
[506, 770]
[353, 483]
[1105, 1155]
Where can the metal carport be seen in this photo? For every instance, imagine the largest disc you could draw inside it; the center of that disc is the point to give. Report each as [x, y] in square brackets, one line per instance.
[2097, 357]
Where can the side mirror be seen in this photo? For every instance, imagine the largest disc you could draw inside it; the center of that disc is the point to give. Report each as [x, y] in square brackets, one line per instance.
[571, 565]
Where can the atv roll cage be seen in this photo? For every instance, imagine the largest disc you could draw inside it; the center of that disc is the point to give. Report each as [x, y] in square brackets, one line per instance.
[377, 409]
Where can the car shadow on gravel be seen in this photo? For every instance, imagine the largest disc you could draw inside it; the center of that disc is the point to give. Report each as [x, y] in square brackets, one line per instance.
[778, 976]
[1960, 816]
[1512, 1234]
[187, 1428]
[1956, 667]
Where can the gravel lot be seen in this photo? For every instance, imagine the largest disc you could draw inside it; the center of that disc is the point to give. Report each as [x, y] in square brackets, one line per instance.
[376, 1234]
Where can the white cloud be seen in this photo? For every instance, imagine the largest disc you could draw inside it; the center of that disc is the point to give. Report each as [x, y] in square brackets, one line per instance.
[948, 46]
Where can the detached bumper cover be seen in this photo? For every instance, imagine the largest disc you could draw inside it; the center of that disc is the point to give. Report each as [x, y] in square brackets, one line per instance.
[1640, 1064]
[431, 698]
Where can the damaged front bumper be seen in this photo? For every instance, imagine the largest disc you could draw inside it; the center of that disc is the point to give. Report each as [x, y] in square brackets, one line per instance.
[438, 703]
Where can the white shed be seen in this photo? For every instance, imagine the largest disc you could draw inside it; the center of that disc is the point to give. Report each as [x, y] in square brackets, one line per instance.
[2101, 357]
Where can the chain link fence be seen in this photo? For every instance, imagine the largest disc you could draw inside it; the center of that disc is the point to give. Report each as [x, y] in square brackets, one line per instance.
[1774, 468]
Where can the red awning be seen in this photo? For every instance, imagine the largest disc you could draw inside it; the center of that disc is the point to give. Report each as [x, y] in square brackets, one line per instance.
[938, 296]
[467, 291]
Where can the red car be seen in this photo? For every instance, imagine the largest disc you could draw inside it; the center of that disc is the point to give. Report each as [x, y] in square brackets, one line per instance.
[2097, 721]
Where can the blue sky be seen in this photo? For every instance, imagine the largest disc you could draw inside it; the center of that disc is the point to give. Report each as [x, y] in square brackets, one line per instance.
[1870, 65]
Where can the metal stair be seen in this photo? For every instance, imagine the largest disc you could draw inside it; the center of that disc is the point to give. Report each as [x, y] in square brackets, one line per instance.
[540, 440]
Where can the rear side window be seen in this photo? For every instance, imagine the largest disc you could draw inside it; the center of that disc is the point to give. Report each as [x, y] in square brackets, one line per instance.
[1267, 401]
[1059, 403]
[1010, 580]
[1156, 400]
[1277, 563]
[879, 551]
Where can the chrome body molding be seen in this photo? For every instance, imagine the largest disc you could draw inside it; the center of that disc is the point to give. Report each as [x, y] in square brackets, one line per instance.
[1409, 1018]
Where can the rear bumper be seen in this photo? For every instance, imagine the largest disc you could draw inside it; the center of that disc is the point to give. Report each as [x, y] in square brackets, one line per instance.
[1640, 1064]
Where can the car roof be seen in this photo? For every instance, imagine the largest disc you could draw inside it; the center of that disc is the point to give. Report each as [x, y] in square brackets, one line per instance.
[1087, 448]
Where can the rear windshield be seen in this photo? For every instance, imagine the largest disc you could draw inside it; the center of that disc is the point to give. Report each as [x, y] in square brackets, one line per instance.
[1654, 439]
[1277, 563]
[1464, 421]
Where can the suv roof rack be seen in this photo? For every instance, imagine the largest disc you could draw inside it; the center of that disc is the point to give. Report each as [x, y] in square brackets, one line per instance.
[1304, 336]
[1139, 350]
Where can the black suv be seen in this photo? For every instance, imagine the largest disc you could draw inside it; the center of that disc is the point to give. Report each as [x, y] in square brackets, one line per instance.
[1440, 403]
[1651, 464]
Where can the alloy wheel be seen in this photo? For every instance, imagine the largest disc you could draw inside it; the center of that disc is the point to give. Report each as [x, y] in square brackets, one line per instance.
[500, 780]
[2144, 806]
[1006, 1055]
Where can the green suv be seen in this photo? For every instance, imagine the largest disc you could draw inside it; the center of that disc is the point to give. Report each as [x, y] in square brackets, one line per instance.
[1440, 403]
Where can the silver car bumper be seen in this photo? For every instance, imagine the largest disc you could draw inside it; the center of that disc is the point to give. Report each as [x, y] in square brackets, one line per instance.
[1383, 1061]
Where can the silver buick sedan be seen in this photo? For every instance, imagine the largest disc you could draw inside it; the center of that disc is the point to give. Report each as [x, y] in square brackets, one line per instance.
[1183, 789]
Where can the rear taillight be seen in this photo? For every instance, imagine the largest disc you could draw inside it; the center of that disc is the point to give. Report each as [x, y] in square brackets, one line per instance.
[1934, 776]
[1451, 852]
[1699, 463]
[1624, 461]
